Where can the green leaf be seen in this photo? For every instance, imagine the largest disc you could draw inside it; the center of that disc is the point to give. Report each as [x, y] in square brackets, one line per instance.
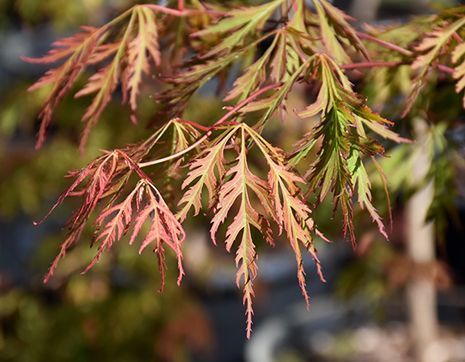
[240, 23]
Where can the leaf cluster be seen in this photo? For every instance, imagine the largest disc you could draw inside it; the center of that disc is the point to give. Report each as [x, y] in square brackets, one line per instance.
[260, 56]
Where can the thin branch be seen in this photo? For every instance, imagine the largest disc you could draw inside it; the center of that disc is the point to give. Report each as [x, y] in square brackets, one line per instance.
[221, 121]
[193, 124]
[445, 68]
[169, 11]
[385, 44]
[389, 45]
[457, 37]
[371, 65]
[181, 13]
[391, 64]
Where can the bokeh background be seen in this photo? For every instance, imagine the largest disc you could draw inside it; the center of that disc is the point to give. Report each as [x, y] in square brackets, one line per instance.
[115, 313]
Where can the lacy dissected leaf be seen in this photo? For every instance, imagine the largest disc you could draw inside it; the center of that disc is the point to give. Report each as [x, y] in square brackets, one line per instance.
[240, 187]
[289, 209]
[345, 120]
[143, 51]
[429, 51]
[184, 84]
[276, 100]
[102, 178]
[131, 56]
[75, 52]
[362, 184]
[103, 182]
[184, 134]
[289, 54]
[252, 78]
[459, 70]
[330, 171]
[335, 91]
[335, 87]
[200, 71]
[204, 172]
[239, 24]
[336, 32]
[279, 199]
[143, 205]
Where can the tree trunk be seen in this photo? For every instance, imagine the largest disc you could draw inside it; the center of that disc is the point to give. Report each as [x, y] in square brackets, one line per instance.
[421, 292]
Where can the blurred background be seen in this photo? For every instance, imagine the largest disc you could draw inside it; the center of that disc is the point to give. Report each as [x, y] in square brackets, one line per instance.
[115, 313]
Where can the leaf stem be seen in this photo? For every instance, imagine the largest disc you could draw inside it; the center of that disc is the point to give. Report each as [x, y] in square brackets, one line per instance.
[389, 45]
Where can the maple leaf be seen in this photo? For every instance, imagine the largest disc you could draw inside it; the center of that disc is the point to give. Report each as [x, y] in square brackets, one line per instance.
[429, 50]
[204, 171]
[276, 100]
[240, 187]
[289, 54]
[78, 50]
[105, 179]
[289, 209]
[198, 73]
[142, 204]
[459, 70]
[240, 23]
[362, 183]
[143, 50]
[335, 29]
[131, 57]
[342, 130]
[93, 183]
[252, 78]
[184, 134]
[280, 200]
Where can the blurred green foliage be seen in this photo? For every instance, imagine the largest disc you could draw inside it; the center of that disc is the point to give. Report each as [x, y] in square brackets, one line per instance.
[89, 319]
